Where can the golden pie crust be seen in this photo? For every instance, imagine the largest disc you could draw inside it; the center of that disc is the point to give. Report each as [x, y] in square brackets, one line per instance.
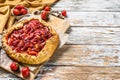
[48, 50]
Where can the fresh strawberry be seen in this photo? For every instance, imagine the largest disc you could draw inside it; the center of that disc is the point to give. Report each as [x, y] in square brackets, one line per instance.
[16, 12]
[44, 15]
[64, 13]
[23, 11]
[25, 72]
[47, 8]
[19, 7]
[14, 66]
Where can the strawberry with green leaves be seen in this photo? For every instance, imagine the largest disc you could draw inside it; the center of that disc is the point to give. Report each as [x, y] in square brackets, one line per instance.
[14, 66]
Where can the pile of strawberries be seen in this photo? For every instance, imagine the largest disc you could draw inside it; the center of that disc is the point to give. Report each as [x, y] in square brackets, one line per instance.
[47, 10]
[30, 39]
[20, 10]
[25, 70]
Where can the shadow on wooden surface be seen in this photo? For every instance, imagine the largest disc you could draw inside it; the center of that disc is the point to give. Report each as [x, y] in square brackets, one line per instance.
[57, 54]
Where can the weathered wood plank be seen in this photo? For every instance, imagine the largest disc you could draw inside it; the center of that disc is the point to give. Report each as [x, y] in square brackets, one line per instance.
[88, 5]
[73, 73]
[82, 55]
[87, 55]
[86, 13]
[94, 19]
[81, 73]
[93, 35]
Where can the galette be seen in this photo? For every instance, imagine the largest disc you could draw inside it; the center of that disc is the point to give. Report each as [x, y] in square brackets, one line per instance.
[30, 41]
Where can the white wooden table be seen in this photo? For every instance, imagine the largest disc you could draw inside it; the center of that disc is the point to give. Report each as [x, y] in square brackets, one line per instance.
[92, 51]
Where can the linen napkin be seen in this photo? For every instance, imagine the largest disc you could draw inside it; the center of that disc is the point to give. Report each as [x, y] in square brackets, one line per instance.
[6, 18]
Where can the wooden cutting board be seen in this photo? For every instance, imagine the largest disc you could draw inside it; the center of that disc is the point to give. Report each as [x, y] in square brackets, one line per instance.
[60, 25]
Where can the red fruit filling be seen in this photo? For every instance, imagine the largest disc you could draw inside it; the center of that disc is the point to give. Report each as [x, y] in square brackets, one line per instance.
[31, 38]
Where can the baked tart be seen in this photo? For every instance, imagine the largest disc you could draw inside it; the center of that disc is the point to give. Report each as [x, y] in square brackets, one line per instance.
[30, 41]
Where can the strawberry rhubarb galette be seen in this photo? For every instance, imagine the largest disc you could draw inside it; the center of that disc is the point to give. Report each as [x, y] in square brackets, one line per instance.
[30, 41]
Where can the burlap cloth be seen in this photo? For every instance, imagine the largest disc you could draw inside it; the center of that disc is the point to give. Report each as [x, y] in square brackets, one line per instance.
[6, 18]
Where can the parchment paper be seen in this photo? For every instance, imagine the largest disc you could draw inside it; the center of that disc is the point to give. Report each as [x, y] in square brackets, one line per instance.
[56, 23]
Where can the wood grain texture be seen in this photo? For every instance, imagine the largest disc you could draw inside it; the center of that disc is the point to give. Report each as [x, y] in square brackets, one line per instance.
[87, 55]
[93, 35]
[92, 51]
[88, 5]
[91, 12]
[73, 73]
[80, 73]
[94, 19]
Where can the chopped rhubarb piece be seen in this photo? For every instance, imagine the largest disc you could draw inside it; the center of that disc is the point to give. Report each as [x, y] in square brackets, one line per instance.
[36, 46]
[21, 31]
[17, 49]
[31, 36]
[15, 42]
[10, 41]
[24, 48]
[16, 35]
[32, 52]
[21, 44]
